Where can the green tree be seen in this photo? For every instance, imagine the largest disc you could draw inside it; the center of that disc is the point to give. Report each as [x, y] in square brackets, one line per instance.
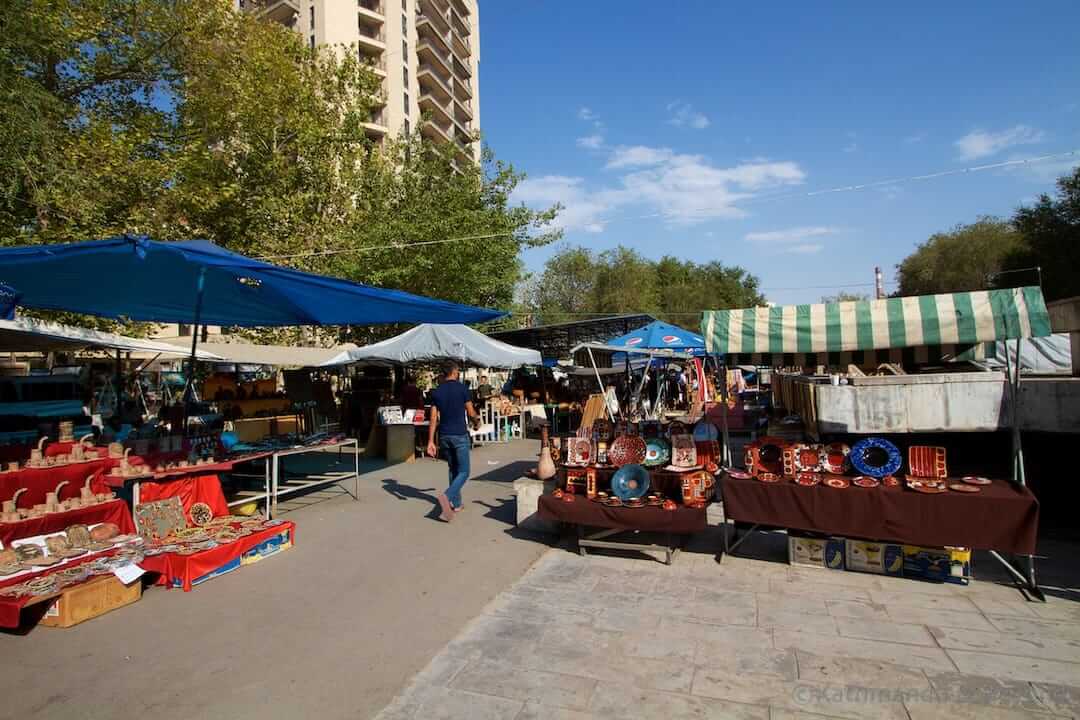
[186, 119]
[577, 283]
[844, 297]
[564, 291]
[1052, 230]
[959, 260]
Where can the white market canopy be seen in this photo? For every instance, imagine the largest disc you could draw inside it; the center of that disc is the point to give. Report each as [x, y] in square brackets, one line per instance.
[242, 353]
[435, 343]
[31, 335]
[805, 334]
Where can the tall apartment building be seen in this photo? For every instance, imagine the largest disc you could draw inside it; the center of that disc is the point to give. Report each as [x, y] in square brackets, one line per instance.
[427, 53]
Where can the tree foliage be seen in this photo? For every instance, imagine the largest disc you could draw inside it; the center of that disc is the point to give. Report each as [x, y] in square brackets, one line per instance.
[1051, 230]
[577, 283]
[186, 119]
[959, 260]
[843, 296]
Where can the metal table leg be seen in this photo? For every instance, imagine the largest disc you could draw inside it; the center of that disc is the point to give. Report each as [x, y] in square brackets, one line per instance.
[1024, 577]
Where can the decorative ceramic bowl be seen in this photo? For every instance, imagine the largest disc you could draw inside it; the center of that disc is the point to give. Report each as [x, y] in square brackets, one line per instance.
[657, 452]
[627, 450]
[630, 481]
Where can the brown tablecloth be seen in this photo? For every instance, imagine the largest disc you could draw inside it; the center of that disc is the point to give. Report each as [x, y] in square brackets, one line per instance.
[582, 511]
[1002, 517]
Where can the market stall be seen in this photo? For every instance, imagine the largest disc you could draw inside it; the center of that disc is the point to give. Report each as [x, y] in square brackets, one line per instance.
[182, 535]
[859, 489]
[429, 344]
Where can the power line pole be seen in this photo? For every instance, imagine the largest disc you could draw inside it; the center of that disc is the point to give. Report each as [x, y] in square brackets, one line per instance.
[879, 284]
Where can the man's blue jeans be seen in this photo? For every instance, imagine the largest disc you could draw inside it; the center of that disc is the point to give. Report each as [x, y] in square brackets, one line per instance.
[455, 448]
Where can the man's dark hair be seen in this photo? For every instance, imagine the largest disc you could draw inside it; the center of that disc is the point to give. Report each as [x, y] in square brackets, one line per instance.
[449, 368]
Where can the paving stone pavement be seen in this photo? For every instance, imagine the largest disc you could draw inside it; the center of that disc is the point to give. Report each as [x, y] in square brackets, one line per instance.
[626, 637]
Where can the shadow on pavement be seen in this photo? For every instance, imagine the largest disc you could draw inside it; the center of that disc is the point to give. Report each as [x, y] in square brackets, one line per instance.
[408, 492]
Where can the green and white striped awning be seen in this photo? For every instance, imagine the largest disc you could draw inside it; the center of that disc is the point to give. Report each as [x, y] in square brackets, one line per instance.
[839, 329]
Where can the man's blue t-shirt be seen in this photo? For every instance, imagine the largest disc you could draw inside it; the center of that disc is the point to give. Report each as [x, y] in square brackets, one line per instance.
[450, 399]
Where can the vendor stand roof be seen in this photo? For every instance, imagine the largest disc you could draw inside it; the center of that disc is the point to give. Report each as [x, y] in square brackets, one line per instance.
[841, 332]
[30, 335]
[555, 341]
[433, 343]
[659, 334]
[242, 353]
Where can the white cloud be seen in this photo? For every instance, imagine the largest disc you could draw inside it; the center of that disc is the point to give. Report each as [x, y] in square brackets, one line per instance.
[804, 249]
[637, 156]
[580, 211]
[586, 114]
[591, 142]
[981, 143]
[790, 235]
[681, 189]
[683, 115]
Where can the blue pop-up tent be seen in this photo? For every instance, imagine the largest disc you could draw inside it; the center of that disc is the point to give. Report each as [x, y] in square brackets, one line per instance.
[199, 283]
[136, 278]
[660, 335]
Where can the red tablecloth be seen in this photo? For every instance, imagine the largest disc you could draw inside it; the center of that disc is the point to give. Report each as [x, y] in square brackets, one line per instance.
[190, 490]
[10, 607]
[184, 569]
[1002, 517]
[41, 481]
[115, 511]
[582, 511]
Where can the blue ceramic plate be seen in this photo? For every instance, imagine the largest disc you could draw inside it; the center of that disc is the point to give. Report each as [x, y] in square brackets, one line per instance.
[629, 482]
[876, 457]
[705, 431]
[657, 452]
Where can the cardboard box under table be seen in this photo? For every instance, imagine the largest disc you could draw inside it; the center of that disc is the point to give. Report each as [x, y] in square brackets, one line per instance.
[1003, 517]
[187, 571]
[583, 513]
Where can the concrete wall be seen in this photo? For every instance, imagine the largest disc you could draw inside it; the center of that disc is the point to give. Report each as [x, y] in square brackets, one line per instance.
[955, 402]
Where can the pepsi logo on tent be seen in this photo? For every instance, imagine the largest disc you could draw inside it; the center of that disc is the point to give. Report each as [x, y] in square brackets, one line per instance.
[635, 341]
[671, 339]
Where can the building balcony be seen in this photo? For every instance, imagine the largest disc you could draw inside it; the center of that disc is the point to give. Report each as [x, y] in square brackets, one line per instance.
[462, 7]
[436, 16]
[375, 63]
[442, 5]
[459, 23]
[431, 82]
[439, 113]
[441, 61]
[371, 12]
[462, 70]
[433, 131]
[461, 46]
[462, 110]
[462, 90]
[371, 41]
[427, 31]
[280, 11]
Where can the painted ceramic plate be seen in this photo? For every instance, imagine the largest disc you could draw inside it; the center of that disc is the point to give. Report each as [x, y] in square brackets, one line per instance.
[890, 481]
[705, 431]
[613, 502]
[768, 477]
[928, 489]
[630, 482]
[975, 480]
[837, 482]
[961, 487]
[834, 458]
[865, 482]
[627, 450]
[739, 474]
[807, 479]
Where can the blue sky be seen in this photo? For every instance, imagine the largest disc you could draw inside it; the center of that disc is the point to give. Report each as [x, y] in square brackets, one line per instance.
[698, 129]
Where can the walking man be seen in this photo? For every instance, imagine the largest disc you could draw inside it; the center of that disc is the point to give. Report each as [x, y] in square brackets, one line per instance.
[451, 404]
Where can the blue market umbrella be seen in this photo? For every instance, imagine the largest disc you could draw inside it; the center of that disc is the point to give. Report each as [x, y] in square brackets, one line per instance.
[197, 282]
[137, 278]
[659, 335]
[9, 298]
